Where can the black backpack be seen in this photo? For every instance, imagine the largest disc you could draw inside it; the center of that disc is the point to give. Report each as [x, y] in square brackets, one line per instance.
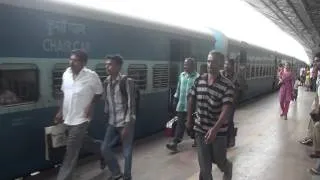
[123, 91]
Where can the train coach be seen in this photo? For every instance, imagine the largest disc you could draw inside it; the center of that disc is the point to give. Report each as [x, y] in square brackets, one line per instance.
[36, 39]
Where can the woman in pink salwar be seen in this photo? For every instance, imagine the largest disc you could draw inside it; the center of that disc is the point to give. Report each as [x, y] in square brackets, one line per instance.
[286, 89]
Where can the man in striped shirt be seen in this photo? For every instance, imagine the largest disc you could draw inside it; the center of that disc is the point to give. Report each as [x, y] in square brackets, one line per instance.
[186, 80]
[212, 95]
[121, 118]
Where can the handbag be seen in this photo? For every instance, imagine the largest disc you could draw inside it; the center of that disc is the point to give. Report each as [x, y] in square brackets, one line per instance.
[55, 141]
[171, 126]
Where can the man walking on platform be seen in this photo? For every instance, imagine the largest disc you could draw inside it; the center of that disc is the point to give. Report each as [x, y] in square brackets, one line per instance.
[212, 95]
[81, 88]
[186, 80]
[121, 111]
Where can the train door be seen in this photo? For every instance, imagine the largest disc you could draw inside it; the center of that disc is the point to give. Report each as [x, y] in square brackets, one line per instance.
[179, 50]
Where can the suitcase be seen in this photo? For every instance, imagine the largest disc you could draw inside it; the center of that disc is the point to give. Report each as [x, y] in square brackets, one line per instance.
[170, 127]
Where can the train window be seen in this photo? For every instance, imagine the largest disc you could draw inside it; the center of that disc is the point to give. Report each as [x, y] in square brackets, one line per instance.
[252, 71]
[138, 72]
[101, 71]
[57, 73]
[257, 71]
[160, 76]
[261, 71]
[265, 68]
[174, 73]
[19, 83]
[203, 69]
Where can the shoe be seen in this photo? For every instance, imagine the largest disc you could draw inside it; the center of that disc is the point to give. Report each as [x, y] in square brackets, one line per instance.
[313, 171]
[307, 142]
[314, 155]
[172, 146]
[117, 177]
[228, 173]
[127, 178]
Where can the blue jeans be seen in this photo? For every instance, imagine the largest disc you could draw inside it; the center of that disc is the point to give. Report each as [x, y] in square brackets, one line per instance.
[113, 133]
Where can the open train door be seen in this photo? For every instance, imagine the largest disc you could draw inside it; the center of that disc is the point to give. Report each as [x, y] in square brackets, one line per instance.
[179, 50]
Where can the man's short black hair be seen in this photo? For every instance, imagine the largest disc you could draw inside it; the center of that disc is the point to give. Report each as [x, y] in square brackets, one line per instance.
[192, 60]
[116, 58]
[81, 54]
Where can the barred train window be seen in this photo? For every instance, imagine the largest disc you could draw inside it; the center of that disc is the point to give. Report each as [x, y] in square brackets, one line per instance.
[19, 83]
[160, 75]
[203, 68]
[57, 73]
[270, 71]
[247, 71]
[101, 71]
[252, 71]
[174, 75]
[139, 73]
[257, 70]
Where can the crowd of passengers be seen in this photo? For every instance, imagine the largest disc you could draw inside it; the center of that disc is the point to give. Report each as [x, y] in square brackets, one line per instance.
[205, 105]
[310, 79]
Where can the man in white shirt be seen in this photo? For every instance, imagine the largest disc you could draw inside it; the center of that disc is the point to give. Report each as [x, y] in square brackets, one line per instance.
[81, 88]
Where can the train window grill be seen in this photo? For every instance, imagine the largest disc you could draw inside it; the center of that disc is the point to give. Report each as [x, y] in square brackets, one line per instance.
[261, 71]
[101, 71]
[19, 84]
[160, 76]
[138, 72]
[247, 71]
[57, 73]
[203, 69]
[257, 71]
[252, 71]
[174, 75]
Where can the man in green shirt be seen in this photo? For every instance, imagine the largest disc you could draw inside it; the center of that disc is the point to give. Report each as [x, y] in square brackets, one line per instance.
[186, 80]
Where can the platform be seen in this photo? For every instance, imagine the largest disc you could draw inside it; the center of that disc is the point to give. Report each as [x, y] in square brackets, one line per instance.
[266, 149]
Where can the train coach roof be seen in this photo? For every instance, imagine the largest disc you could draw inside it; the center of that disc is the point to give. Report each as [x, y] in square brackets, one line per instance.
[100, 15]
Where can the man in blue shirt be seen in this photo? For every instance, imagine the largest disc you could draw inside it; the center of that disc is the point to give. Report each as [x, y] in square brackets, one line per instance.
[186, 80]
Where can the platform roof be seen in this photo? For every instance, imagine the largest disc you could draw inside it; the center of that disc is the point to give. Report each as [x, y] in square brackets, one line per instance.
[299, 18]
